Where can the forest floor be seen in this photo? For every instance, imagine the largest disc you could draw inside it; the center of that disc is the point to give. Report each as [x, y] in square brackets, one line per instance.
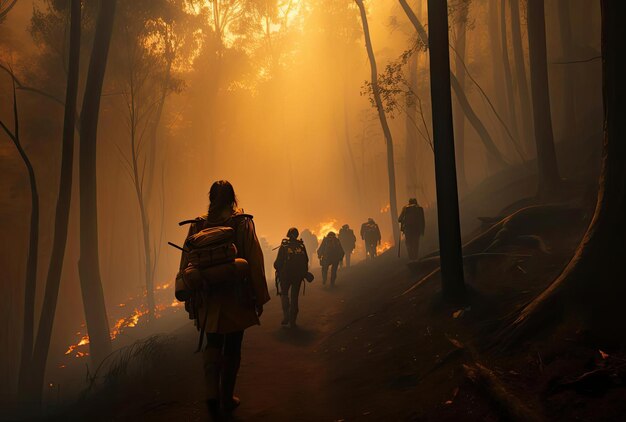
[378, 349]
[370, 350]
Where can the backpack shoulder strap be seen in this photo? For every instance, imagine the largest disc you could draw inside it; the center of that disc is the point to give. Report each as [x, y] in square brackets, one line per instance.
[195, 220]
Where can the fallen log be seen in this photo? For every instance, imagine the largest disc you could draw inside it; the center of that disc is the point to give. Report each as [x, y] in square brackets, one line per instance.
[511, 407]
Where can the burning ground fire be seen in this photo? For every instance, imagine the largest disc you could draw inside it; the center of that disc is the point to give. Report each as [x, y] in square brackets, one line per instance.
[123, 322]
[383, 247]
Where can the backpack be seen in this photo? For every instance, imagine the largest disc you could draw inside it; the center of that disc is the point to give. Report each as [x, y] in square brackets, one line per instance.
[332, 251]
[212, 259]
[370, 231]
[296, 262]
[347, 239]
[413, 220]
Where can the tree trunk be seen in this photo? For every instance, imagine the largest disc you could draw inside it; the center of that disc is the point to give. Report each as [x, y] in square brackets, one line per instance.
[346, 132]
[520, 71]
[88, 265]
[459, 127]
[595, 273]
[494, 157]
[53, 281]
[508, 76]
[567, 44]
[496, 64]
[143, 214]
[544, 137]
[453, 285]
[30, 285]
[410, 151]
[393, 203]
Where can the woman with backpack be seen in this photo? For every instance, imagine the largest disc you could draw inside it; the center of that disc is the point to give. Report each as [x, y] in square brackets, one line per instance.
[224, 310]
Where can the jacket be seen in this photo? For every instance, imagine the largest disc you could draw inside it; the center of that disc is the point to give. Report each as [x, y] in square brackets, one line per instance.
[231, 308]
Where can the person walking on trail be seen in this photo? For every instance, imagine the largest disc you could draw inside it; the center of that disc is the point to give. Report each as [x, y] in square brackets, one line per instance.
[222, 281]
[348, 242]
[330, 254]
[292, 266]
[370, 233]
[412, 224]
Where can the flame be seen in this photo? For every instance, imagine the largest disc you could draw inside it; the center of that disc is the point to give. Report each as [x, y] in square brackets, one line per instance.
[383, 247]
[385, 209]
[130, 321]
[324, 228]
[84, 340]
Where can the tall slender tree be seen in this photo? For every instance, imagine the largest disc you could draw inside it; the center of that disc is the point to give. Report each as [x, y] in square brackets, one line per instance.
[53, 280]
[460, 31]
[30, 284]
[410, 152]
[393, 202]
[544, 137]
[520, 73]
[508, 75]
[567, 45]
[453, 285]
[494, 157]
[89, 265]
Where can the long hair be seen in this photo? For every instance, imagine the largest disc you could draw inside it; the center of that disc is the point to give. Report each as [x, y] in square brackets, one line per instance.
[222, 197]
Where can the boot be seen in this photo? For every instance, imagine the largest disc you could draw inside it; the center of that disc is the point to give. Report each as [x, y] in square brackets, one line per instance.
[292, 319]
[211, 363]
[230, 369]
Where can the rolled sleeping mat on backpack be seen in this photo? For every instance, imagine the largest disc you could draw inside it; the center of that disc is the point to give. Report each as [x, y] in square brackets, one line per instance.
[194, 278]
[209, 237]
[212, 256]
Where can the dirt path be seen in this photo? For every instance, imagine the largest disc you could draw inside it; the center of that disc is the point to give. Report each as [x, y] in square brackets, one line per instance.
[282, 376]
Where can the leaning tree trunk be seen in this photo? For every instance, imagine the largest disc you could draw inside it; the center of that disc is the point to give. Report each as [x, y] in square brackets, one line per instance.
[459, 127]
[89, 265]
[508, 75]
[593, 279]
[544, 137]
[393, 203]
[453, 285]
[53, 281]
[520, 73]
[495, 159]
[30, 284]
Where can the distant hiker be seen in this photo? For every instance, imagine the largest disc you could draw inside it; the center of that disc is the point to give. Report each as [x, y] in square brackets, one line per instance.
[330, 254]
[222, 281]
[348, 241]
[309, 239]
[412, 224]
[292, 266]
[370, 233]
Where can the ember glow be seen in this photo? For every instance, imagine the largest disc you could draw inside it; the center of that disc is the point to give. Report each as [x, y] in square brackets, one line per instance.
[326, 227]
[383, 247]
